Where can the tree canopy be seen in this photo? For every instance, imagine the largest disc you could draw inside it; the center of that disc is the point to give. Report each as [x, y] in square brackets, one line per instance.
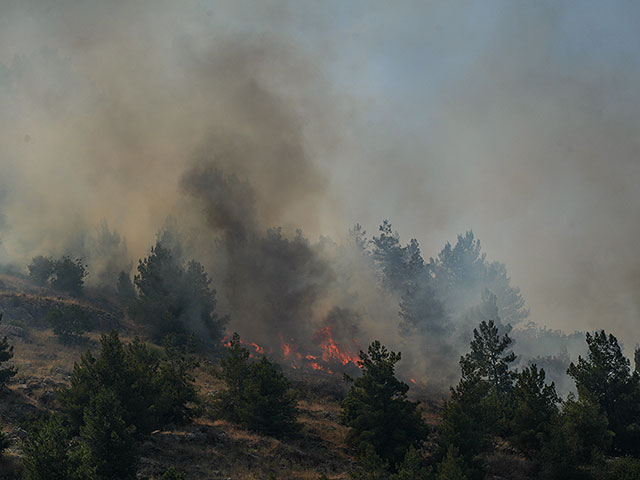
[174, 301]
[605, 377]
[377, 409]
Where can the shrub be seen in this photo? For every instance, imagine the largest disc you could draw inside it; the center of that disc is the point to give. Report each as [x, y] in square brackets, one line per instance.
[41, 270]
[172, 474]
[625, 468]
[69, 276]
[69, 323]
[63, 274]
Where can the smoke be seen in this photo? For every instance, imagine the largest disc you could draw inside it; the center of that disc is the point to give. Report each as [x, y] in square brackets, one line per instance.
[105, 108]
[236, 119]
[519, 121]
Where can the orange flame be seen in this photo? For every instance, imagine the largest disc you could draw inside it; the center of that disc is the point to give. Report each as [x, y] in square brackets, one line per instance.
[331, 351]
[259, 350]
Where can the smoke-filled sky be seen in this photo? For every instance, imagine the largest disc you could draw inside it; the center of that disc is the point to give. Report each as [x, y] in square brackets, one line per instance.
[518, 120]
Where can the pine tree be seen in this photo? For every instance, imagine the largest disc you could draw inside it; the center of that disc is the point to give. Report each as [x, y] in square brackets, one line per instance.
[46, 451]
[268, 405]
[462, 272]
[125, 290]
[151, 390]
[584, 430]
[535, 410]
[6, 354]
[452, 467]
[605, 377]
[370, 466]
[388, 255]
[107, 446]
[4, 443]
[172, 301]
[377, 409]
[174, 384]
[489, 359]
[234, 371]
[159, 305]
[422, 310]
[398, 265]
[258, 395]
[479, 403]
[412, 467]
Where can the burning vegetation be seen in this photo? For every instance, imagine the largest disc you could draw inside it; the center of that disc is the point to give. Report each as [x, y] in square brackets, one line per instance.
[156, 179]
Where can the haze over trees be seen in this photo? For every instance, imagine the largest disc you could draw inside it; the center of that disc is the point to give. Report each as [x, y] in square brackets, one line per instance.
[174, 301]
[456, 304]
[63, 274]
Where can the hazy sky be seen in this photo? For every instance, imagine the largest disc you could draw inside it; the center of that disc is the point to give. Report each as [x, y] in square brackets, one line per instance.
[518, 120]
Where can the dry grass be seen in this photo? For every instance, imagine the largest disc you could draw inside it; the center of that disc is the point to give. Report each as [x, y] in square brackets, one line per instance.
[219, 449]
[205, 449]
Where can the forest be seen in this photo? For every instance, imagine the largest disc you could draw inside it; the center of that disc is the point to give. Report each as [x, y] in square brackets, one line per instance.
[569, 411]
[295, 240]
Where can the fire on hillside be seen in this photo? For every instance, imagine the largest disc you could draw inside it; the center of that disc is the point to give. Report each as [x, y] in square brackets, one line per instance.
[325, 354]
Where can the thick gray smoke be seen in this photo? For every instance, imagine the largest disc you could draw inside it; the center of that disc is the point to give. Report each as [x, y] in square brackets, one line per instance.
[233, 118]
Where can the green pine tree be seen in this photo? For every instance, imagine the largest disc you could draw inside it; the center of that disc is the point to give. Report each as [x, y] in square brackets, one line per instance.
[412, 467]
[452, 467]
[234, 371]
[107, 447]
[377, 409]
[535, 410]
[6, 354]
[46, 451]
[4, 443]
[605, 377]
[370, 466]
[172, 474]
[268, 404]
[152, 390]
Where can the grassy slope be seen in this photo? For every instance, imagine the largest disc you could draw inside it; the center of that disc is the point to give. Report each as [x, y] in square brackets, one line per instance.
[205, 449]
